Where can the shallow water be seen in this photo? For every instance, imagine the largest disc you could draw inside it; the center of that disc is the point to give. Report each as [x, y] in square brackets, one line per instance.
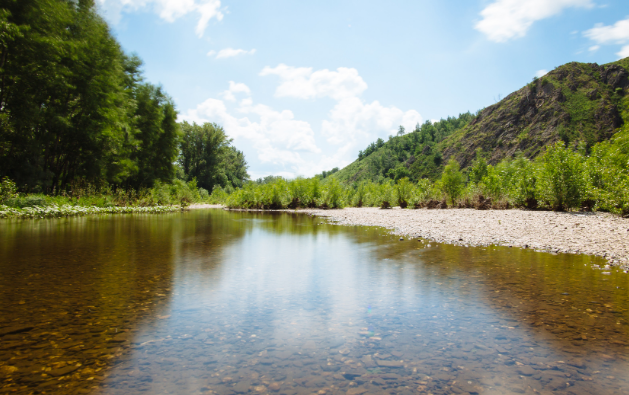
[210, 301]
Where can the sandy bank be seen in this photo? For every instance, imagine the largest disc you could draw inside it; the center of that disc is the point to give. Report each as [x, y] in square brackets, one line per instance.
[581, 233]
[196, 206]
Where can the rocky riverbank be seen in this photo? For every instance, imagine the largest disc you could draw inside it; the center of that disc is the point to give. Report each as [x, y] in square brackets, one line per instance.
[597, 234]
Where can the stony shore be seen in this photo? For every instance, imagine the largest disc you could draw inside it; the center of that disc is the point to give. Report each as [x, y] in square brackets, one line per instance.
[598, 234]
[197, 206]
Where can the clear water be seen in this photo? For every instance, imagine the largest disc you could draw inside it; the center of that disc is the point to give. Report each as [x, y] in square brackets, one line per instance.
[215, 302]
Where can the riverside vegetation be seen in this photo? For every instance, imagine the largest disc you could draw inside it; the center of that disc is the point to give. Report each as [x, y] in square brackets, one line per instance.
[559, 179]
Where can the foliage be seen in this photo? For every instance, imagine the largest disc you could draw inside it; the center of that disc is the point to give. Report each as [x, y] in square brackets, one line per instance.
[452, 180]
[560, 182]
[208, 156]
[8, 189]
[560, 179]
[415, 155]
[74, 106]
[607, 172]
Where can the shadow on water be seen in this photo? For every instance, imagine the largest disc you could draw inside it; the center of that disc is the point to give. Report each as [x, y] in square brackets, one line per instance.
[233, 302]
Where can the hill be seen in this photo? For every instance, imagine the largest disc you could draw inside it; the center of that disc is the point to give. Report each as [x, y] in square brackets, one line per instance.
[576, 102]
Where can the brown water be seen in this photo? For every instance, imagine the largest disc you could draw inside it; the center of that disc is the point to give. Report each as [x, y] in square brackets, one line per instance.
[217, 302]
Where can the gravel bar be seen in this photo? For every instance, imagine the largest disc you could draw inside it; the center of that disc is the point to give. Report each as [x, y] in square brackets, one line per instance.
[599, 234]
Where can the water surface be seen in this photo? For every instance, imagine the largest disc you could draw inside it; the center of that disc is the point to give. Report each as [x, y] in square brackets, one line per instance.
[210, 301]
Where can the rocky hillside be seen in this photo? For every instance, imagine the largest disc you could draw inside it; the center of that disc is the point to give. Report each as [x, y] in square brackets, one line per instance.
[576, 102]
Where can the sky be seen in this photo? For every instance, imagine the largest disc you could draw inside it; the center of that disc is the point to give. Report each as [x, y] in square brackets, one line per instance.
[302, 86]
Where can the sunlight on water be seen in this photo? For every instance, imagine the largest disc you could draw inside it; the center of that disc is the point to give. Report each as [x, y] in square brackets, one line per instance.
[219, 302]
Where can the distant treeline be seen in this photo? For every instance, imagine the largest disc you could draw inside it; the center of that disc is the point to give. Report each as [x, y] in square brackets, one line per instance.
[74, 107]
[559, 179]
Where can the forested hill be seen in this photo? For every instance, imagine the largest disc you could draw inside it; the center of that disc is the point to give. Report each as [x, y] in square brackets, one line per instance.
[416, 154]
[576, 102]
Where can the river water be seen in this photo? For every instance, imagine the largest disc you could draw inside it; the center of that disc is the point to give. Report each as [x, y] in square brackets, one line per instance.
[216, 302]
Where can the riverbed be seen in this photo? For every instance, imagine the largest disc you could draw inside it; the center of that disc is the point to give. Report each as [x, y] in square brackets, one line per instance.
[216, 302]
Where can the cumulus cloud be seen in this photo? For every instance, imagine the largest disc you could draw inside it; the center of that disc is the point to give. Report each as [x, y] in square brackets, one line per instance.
[169, 10]
[541, 73]
[234, 87]
[276, 136]
[280, 139]
[618, 33]
[351, 121]
[230, 53]
[503, 20]
[303, 83]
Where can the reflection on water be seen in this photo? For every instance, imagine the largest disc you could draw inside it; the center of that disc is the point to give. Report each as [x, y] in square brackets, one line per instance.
[216, 302]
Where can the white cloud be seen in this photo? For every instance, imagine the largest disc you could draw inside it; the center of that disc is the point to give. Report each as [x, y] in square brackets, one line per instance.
[303, 83]
[169, 10]
[541, 73]
[617, 33]
[594, 48]
[276, 136]
[353, 123]
[230, 53]
[280, 139]
[507, 19]
[235, 88]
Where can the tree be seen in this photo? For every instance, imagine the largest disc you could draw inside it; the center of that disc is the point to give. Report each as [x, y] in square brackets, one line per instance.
[478, 170]
[561, 179]
[156, 137]
[61, 93]
[452, 180]
[73, 105]
[207, 155]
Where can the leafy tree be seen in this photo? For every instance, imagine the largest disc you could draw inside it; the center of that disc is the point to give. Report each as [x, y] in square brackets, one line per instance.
[452, 180]
[207, 155]
[61, 92]
[478, 170]
[561, 182]
[157, 137]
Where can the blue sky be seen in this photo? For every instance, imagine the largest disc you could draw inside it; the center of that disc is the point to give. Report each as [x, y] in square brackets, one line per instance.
[302, 86]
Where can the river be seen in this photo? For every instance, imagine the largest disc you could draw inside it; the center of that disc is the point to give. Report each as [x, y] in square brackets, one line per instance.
[217, 302]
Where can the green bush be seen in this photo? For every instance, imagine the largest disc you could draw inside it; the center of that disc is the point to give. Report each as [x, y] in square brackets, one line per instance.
[333, 194]
[452, 180]
[607, 175]
[523, 187]
[404, 191]
[560, 181]
[8, 189]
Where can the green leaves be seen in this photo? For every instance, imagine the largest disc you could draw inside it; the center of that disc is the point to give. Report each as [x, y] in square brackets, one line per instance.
[452, 180]
[560, 182]
[206, 154]
[73, 105]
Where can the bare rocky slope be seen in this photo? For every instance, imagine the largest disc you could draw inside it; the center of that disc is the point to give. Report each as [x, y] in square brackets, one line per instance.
[575, 102]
